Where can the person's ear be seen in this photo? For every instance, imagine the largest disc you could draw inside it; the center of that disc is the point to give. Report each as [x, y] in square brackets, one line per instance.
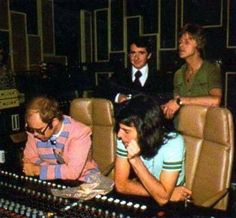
[55, 122]
[149, 56]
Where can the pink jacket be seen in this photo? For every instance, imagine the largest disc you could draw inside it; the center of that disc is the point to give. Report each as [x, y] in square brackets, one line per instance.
[72, 145]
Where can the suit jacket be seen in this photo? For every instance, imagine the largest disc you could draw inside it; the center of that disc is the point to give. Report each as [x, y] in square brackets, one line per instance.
[121, 82]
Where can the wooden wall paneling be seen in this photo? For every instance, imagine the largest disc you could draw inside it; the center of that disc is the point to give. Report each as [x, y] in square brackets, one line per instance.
[19, 41]
[148, 10]
[117, 60]
[4, 15]
[117, 25]
[55, 59]
[86, 42]
[205, 13]
[101, 36]
[35, 51]
[29, 7]
[133, 28]
[46, 25]
[101, 76]
[231, 24]
[168, 24]
[5, 40]
[150, 16]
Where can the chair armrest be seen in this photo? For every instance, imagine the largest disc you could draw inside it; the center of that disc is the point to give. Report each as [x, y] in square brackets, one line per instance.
[214, 199]
[108, 169]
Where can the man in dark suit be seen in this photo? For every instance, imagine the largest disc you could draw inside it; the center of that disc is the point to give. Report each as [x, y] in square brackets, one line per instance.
[139, 78]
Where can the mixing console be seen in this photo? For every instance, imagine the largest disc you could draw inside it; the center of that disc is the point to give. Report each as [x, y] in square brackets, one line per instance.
[23, 196]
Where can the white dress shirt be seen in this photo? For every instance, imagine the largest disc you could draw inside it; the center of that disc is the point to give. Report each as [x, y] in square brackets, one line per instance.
[142, 79]
[144, 71]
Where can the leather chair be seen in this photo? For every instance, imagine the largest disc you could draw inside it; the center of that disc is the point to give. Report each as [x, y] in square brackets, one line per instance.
[209, 136]
[99, 115]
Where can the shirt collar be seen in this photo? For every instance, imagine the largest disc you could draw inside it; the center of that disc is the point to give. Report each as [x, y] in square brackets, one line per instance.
[57, 135]
[143, 70]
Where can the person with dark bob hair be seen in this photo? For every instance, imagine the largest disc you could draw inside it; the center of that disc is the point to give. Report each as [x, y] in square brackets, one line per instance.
[156, 155]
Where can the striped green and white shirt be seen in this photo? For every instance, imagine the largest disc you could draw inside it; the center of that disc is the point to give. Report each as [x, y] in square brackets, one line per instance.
[170, 157]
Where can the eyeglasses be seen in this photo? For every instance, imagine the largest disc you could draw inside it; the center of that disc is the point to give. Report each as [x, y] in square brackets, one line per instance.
[38, 131]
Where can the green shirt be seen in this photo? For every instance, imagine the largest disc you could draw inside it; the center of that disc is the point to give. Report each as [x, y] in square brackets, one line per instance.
[206, 78]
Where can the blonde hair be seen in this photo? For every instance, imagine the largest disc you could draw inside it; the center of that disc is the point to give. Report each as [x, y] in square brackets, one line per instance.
[47, 108]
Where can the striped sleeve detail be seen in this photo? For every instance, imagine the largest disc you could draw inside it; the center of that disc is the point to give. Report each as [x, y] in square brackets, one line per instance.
[66, 120]
[121, 153]
[38, 162]
[41, 144]
[58, 171]
[59, 146]
[43, 172]
[176, 166]
[47, 157]
[64, 134]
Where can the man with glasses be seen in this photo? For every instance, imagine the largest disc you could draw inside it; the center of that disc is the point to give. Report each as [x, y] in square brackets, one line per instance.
[57, 146]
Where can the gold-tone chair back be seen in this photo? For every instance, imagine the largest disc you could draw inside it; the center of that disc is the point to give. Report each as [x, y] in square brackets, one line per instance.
[99, 115]
[209, 138]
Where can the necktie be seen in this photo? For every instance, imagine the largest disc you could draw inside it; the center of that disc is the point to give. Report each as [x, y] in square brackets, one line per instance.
[137, 75]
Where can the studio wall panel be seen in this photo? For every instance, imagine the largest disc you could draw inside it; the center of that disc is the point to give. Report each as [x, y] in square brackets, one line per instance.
[231, 24]
[55, 59]
[19, 41]
[168, 24]
[133, 28]
[148, 9]
[117, 25]
[35, 51]
[4, 39]
[205, 13]
[29, 7]
[48, 27]
[101, 35]
[117, 60]
[4, 19]
[86, 38]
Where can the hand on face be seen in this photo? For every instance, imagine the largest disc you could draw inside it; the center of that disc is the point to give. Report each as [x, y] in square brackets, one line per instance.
[133, 149]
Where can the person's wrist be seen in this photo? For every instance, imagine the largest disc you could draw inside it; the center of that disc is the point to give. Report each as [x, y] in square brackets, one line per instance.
[36, 170]
[179, 101]
[133, 160]
[128, 97]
